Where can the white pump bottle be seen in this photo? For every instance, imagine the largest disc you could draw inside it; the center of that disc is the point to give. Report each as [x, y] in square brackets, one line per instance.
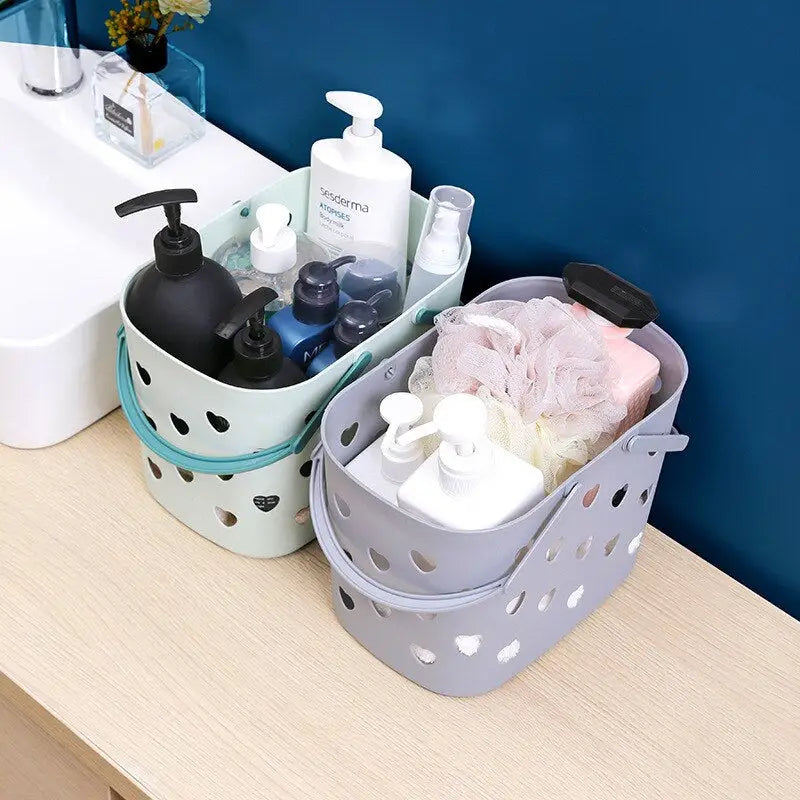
[385, 464]
[359, 191]
[469, 483]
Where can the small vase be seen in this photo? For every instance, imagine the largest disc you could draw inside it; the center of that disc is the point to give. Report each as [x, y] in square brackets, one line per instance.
[149, 99]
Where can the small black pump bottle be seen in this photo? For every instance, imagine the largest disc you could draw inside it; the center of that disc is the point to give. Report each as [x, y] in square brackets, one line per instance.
[179, 300]
[258, 360]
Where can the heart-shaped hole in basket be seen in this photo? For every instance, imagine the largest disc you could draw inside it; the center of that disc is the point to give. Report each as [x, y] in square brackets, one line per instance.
[348, 434]
[218, 423]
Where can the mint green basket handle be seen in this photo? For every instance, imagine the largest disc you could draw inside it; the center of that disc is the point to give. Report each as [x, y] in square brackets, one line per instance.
[218, 465]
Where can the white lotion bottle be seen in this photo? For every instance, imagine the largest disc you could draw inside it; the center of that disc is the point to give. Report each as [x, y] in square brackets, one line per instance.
[442, 242]
[358, 191]
[385, 464]
[469, 483]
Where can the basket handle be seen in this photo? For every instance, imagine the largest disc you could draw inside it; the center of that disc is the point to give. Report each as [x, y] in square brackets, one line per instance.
[217, 465]
[377, 592]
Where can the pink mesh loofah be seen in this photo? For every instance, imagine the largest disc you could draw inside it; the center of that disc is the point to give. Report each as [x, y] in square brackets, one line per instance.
[544, 375]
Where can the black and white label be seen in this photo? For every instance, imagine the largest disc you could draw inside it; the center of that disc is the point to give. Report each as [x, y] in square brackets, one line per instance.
[118, 116]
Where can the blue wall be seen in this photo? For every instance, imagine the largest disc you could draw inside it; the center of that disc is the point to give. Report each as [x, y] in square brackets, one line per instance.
[659, 139]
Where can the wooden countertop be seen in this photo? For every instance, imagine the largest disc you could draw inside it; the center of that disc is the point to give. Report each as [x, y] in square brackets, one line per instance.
[178, 671]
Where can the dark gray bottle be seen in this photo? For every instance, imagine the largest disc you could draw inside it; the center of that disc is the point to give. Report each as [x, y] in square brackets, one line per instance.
[258, 360]
[179, 301]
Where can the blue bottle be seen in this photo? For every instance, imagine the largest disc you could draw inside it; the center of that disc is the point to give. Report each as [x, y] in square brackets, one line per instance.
[356, 321]
[306, 327]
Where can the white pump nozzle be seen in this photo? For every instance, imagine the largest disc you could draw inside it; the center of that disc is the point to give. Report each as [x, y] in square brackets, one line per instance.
[363, 108]
[400, 410]
[273, 244]
[460, 420]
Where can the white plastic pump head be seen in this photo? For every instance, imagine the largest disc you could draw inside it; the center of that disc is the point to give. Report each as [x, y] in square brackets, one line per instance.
[273, 244]
[442, 246]
[460, 420]
[400, 411]
[363, 108]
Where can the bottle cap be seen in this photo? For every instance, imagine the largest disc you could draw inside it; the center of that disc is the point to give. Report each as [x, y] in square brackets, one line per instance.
[273, 244]
[606, 294]
[257, 350]
[377, 267]
[316, 292]
[356, 321]
[364, 109]
[178, 250]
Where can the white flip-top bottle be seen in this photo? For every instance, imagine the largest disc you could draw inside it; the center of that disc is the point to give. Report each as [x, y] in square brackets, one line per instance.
[359, 191]
[385, 464]
[469, 483]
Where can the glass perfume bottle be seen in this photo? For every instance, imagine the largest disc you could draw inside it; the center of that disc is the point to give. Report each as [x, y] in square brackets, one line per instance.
[149, 99]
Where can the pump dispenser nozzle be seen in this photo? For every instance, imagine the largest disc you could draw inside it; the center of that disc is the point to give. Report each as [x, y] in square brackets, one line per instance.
[398, 460]
[177, 247]
[363, 108]
[273, 244]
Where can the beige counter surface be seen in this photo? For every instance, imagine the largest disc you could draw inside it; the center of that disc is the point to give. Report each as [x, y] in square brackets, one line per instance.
[173, 670]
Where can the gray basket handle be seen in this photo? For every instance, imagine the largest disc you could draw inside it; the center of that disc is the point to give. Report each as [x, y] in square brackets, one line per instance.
[400, 601]
[672, 442]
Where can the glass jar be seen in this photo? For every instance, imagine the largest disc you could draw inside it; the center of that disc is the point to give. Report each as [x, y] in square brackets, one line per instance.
[149, 99]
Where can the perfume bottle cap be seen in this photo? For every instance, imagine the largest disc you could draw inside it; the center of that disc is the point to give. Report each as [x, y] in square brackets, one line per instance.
[606, 294]
[316, 292]
[178, 250]
[273, 244]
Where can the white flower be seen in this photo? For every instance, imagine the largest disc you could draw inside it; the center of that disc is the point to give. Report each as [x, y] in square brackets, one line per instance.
[196, 9]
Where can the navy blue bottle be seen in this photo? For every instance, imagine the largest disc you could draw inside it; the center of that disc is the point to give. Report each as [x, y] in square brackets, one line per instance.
[306, 327]
[356, 321]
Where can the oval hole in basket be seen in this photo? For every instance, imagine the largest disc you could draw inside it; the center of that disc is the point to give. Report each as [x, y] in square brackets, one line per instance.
[227, 518]
[224, 477]
[154, 468]
[150, 422]
[180, 425]
[421, 562]
[611, 545]
[590, 496]
[185, 474]
[554, 549]
[379, 560]
[635, 543]
[346, 599]
[645, 495]
[546, 599]
[341, 506]
[381, 610]
[143, 374]
[422, 655]
[218, 423]
[583, 549]
[468, 644]
[426, 616]
[514, 605]
[619, 496]
[305, 470]
[303, 516]
[266, 503]
[309, 416]
[348, 434]
[511, 650]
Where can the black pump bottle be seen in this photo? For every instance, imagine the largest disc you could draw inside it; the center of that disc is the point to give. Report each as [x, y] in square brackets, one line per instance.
[178, 301]
[258, 360]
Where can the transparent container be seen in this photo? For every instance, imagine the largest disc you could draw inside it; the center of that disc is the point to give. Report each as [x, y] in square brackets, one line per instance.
[151, 112]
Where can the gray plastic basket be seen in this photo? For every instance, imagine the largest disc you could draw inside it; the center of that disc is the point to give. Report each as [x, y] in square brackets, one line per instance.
[461, 613]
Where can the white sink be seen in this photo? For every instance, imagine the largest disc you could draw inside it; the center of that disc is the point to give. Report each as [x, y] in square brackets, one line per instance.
[66, 256]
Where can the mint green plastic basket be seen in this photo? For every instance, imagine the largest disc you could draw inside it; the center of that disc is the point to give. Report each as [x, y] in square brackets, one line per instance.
[206, 437]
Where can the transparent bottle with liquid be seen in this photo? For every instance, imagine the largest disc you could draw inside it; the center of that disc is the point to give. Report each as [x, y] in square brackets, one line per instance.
[149, 99]
[271, 257]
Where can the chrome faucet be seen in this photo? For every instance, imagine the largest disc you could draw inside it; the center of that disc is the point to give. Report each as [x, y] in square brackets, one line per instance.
[48, 35]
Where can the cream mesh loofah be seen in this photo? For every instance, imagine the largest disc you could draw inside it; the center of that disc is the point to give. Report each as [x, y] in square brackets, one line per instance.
[544, 375]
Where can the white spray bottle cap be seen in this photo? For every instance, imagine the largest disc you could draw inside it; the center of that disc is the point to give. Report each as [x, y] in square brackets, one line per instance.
[465, 454]
[364, 109]
[273, 244]
[400, 411]
[440, 250]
